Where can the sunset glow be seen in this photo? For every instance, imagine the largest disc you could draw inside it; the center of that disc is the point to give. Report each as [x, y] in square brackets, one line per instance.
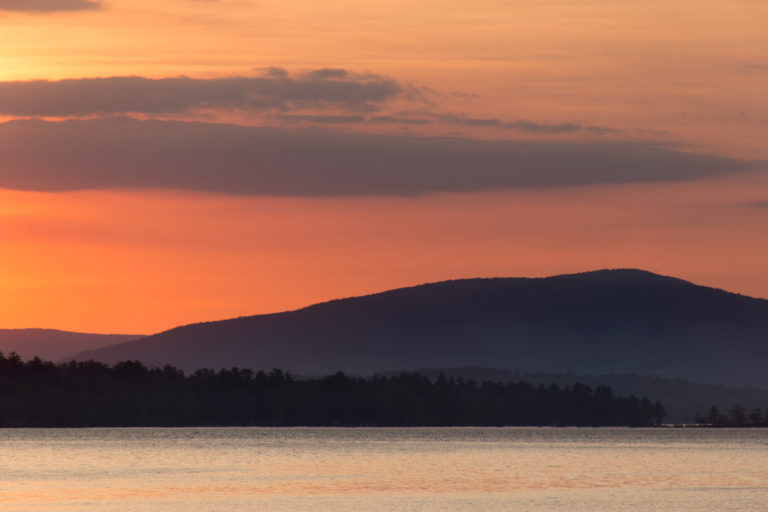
[243, 157]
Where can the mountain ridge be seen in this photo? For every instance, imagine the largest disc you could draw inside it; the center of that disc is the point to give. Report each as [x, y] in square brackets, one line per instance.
[607, 321]
[54, 344]
[652, 277]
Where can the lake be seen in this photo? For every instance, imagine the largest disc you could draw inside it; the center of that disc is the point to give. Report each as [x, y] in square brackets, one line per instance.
[387, 469]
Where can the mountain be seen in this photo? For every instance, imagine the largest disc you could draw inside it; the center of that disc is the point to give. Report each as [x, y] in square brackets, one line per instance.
[622, 321]
[52, 345]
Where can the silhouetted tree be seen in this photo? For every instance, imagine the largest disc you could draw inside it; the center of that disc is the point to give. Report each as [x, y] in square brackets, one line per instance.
[756, 418]
[715, 419]
[738, 417]
[80, 394]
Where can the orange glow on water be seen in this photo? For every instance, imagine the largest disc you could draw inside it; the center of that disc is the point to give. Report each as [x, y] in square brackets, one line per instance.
[283, 470]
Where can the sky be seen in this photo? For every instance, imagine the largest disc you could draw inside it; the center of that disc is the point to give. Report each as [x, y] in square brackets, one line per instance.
[164, 163]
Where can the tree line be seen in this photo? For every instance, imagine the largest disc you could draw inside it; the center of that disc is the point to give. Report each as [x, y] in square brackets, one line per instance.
[737, 417]
[92, 394]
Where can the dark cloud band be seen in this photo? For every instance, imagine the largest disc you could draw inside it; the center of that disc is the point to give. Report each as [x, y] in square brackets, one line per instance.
[48, 5]
[272, 89]
[524, 125]
[122, 152]
[301, 98]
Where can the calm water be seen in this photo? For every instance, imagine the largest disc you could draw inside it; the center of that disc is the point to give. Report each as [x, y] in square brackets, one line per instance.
[476, 469]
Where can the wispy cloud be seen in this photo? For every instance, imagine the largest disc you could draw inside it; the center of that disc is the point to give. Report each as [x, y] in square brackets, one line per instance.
[399, 120]
[534, 127]
[123, 152]
[422, 118]
[320, 119]
[755, 68]
[523, 125]
[49, 5]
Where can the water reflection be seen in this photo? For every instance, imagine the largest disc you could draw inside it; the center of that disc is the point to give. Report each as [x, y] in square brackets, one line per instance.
[459, 469]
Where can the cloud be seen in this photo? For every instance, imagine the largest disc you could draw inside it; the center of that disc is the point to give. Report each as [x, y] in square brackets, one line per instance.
[123, 152]
[298, 98]
[602, 130]
[272, 89]
[48, 5]
[754, 68]
[534, 127]
[399, 120]
[493, 122]
[525, 125]
[467, 121]
[319, 119]
[454, 119]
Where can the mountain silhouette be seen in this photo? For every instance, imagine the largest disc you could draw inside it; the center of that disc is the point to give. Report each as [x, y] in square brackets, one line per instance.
[623, 321]
[52, 344]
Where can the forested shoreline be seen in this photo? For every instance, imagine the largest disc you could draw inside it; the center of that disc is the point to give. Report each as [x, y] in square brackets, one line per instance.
[737, 417]
[91, 394]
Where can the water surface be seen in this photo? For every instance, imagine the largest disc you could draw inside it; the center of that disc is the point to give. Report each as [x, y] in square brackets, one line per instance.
[418, 469]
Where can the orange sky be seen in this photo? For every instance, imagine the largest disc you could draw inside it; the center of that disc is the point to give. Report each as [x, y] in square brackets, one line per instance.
[687, 76]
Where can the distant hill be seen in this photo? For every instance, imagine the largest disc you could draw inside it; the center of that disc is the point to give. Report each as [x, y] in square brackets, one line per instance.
[52, 345]
[605, 322]
[683, 400]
